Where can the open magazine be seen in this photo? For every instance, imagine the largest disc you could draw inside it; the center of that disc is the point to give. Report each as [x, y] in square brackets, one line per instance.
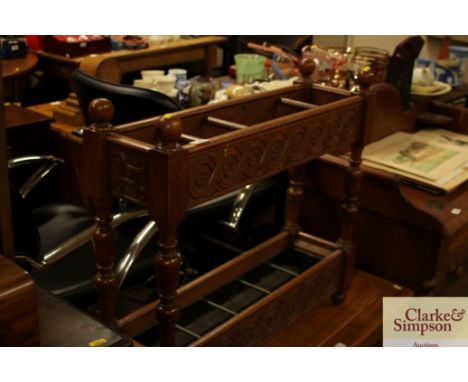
[434, 157]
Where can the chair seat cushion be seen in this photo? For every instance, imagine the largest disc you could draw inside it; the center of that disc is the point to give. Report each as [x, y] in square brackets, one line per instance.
[72, 277]
[57, 223]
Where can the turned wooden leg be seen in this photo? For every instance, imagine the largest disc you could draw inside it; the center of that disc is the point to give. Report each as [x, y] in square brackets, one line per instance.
[349, 209]
[294, 196]
[97, 185]
[167, 268]
[168, 206]
[104, 249]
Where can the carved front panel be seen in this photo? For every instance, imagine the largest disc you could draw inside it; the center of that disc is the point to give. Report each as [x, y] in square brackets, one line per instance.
[226, 167]
[129, 178]
[262, 324]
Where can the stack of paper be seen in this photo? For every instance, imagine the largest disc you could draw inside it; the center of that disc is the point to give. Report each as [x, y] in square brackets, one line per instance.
[433, 157]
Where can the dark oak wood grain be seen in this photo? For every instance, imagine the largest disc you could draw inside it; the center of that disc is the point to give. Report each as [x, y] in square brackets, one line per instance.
[6, 230]
[19, 322]
[355, 322]
[20, 66]
[27, 131]
[15, 75]
[96, 162]
[261, 321]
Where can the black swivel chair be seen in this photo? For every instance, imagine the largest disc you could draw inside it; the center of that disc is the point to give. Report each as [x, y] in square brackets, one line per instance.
[53, 241]
[130, 103]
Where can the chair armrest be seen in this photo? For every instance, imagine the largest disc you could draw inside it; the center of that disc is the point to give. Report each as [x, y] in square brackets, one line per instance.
[51, 257]
[122, 217]
[134, 250]
[58, 253]
[48, 163]
[238, 207]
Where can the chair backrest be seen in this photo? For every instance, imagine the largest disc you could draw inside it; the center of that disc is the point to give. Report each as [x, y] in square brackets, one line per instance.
[400, 66]
[130, 103]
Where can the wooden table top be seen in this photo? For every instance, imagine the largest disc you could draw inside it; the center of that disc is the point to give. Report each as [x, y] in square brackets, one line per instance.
[12, 68]
[180, 44]
[112, 65]
[18, 117]
[63, 129]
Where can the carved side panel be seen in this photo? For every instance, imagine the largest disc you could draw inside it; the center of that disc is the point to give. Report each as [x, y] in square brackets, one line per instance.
[229, 166]
[129, 174]
[262, 324]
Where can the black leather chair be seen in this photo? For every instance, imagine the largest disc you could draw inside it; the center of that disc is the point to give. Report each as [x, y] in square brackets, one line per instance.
[53, 241]
[130, 103]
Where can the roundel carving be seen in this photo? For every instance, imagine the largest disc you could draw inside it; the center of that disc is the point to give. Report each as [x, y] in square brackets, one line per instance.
[253, 157]
[274, 151]
[296, 144]
[315, 139]
[202, 171]
[228, 173]
[350, 127]
[332, 132]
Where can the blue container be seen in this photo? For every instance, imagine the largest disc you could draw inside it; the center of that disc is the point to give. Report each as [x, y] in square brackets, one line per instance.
[460, 54]
[441, 73]
[458, 51]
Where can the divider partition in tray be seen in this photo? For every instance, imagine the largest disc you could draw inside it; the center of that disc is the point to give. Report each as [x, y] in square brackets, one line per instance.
[174, 162]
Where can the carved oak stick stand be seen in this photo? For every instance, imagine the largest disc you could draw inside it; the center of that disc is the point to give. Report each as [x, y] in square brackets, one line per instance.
[104, 241]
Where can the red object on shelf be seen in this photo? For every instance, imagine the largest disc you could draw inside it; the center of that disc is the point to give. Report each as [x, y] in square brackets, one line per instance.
[132, 42]
[444, 49]
[232, 71]
[75, 45]
[34, 42]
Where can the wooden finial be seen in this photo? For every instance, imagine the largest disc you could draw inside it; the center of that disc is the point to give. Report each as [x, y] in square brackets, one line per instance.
[101, 111]
[307, 68]
[169, 130]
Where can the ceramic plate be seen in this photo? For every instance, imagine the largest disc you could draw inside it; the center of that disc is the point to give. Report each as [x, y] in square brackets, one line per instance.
[436, 89]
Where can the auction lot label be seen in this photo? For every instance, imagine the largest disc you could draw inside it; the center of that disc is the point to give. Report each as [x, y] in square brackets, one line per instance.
[425, 321]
